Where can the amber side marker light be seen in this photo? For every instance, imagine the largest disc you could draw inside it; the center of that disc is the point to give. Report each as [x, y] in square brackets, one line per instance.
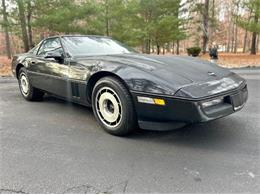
[148, 100]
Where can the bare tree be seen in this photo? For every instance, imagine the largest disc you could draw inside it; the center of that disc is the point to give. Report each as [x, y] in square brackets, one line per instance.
[177, 47]
[205, 26]
[237, 5]
[257, 43]
[254, 36]
[246, 34]
[245, 40]
[5, 25]
[230, 31]
[29, 25]
[21, 13]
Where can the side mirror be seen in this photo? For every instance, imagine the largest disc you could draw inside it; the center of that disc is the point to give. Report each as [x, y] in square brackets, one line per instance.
[56, 55]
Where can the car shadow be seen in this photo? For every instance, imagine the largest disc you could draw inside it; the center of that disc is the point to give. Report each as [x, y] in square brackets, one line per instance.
[55, 100]
[222, 135]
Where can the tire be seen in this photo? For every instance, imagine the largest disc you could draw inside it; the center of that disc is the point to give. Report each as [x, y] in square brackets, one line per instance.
[113, 106]
[27, 90]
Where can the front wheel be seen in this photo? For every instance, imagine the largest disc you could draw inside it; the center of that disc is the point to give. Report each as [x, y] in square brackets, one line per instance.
[113, 106]
[27, 90]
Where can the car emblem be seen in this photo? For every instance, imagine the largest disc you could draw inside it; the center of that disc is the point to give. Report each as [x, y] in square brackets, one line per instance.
[211, 74]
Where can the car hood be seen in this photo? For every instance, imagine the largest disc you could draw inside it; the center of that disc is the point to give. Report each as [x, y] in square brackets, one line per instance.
[174, 72]
[187, 69]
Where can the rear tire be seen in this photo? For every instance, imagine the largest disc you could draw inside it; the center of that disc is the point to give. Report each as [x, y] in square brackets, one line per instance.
[113, 106]
[27, 90]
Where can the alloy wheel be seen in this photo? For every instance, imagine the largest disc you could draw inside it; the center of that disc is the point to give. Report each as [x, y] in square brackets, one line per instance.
[109, 107]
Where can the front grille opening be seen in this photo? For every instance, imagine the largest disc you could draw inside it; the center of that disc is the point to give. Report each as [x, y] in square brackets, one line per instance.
[227, 99]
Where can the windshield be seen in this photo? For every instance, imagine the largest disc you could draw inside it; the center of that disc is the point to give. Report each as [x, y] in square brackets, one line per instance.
[79, 45]
[35, 49]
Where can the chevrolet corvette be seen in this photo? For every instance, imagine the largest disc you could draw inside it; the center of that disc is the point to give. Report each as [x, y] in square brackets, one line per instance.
[126, 89]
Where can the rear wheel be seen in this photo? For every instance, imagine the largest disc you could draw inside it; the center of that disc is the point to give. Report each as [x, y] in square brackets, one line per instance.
[113, 106]
[27, 90]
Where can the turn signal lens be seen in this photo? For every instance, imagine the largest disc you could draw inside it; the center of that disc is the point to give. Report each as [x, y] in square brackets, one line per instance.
[149, 100]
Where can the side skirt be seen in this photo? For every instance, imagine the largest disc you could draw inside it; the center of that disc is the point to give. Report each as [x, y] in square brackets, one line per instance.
[70, 100]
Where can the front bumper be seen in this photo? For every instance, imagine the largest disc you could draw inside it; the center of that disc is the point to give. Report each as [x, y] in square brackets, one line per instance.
[178, 112]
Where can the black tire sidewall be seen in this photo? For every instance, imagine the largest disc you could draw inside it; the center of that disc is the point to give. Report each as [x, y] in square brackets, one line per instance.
[128, 121]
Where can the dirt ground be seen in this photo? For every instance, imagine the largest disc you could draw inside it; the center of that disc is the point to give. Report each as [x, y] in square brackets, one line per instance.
[225, 59]
[239, 60]
[5, 66]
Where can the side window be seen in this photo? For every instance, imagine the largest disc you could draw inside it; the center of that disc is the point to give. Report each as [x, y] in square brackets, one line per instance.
[50, 45]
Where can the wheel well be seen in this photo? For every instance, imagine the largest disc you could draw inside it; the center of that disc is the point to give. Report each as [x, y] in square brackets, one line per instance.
[97, 76]
[18, 67]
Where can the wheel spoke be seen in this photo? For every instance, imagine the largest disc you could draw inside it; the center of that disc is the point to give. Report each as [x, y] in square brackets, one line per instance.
[109, 108]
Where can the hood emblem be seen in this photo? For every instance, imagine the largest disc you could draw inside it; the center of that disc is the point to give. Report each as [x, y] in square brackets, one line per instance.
[211, 74]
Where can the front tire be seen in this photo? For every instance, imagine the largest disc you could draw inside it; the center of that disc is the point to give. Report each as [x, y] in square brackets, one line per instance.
[27, 90]
[113, 106]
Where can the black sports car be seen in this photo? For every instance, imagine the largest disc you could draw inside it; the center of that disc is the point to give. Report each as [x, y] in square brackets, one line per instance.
[125, 88]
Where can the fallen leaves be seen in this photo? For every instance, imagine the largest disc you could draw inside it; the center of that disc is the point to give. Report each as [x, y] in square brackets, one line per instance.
[5, 66]
[239, 60]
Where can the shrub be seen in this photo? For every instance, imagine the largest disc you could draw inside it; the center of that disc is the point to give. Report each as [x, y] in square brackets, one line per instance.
[193, 51]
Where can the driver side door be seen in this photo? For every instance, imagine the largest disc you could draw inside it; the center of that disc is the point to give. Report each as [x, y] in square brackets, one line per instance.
[50, 74]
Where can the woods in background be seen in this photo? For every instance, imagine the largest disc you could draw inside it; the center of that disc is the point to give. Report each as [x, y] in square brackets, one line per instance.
[151, 25]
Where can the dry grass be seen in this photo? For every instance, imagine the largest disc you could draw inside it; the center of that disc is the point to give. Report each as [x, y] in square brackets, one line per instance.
[225, 59]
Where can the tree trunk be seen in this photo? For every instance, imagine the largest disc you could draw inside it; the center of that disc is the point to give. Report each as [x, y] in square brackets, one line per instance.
[29, 25]
[236, 25]
[22, 19]
[106, 18]
[147, 46]
[232, 39]
[163, 49]
[178, 47]
[246, 34]
[229, 28]
[143, 47]
[257, 43]
[168, 48]
[249, 41]
[7, 38]
[245, 40]
[173, 45]
[212, 26]
[235, 44]
[205, 26]
[229, 37]
[158, 49]
[253, 44]
[254, 36]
